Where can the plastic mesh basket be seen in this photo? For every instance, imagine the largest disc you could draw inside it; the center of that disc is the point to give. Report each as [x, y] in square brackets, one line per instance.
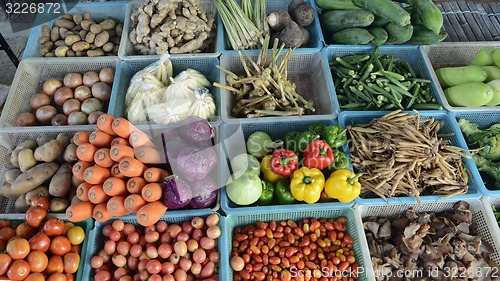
[454, 54]
[233, 221]
[305, 69]
[357, 117]
[411, 54]
[488, 202]
[98, 10]
[127, 51]
[32, 73]
[484, 225]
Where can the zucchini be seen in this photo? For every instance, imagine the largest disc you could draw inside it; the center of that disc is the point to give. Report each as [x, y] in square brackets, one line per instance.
[336, 5]
[386, 9]
[429, 14]
[379, 22]
[424, 36]
[483, 57]
[398, 34]
[453, 76]
[469, 94]
[353, 36]
[379, 34]
[338, 20]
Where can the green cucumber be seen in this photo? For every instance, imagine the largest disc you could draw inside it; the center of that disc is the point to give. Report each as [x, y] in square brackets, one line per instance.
[483, 57]
[492, 73]
[398, 34]
[352, 36]
[379, 34]
[379, 22]
[336, 5]
[342, 19]
[496, 57]
[429, 14]
[424, 36]
[453, 76]
[386, 9]
[469, 94]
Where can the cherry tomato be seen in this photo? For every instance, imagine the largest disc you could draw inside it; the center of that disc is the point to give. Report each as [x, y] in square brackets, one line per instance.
[5, 223]
[118, 225]
[41, 201]
[187, 227]
[132, 263]
[197, 222]
[155, 277]
[57, 276]
[25, 231]
[96, 262]
[18, 270]
[67, 226]
[38, 261]
[161, 226]
[212, 220]
[7, 233]
[53, 227]
[102, 276]
[153, 266]
[40, 242]
[71, 262]
[76, 248]
[70, 277]
[123, 248]
[135, 250]
[5, 261]
[76, 235]
[34, 216]
[2, 246]
[152, 236]
[106, 230]
[133, 238]
[128, 228]
[114, 235]
[213, 232]
[60, 246]
[35, 276]
[110, 247]
[56, 264]
[119, 272]
[18, 248]
[119, 260]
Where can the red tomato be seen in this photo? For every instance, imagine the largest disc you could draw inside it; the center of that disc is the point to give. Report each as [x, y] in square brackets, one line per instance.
[25, 231]
[7, 233]
[5, 261]
[18, 248]
[60, 245]
[53, 227]
[38, 261]
[2, 246]
[5, 223]
[34, 216]
[102, 276]
[57, 276]
[76, 248]
[35, 276]
[70, 277]
[19, 270]
[67, 226]
[40, 242]
[71, 262]
[41, 201]
[55, 265]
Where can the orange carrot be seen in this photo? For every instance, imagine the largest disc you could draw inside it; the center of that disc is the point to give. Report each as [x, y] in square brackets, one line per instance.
[152, 192]
[100, 139]
[151, 213]
[81, 137]
[82, 191]
[96, 175]
[119, 141]
[104, 124]
[123, 127]
[149, 155]
[120, 151]
[134, 202]
[79, 211]
[131, 167]
[100, 213]
[155, 174]
[85, 152]
[116, 206]
[79, 168]
[135, 185]
[115, 186]
[115, 171]
[139, 138]
[102, 158]
[97, 194]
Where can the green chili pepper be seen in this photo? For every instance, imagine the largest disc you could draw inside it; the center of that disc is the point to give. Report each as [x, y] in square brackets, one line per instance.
[282, 192]
[267, 194]
[291, 140]
[317, 128]
[304, 139]
[335, 136]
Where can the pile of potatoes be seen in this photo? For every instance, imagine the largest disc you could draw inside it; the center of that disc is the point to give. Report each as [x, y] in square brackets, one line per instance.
[77, 100]
[80, 36]
[41, 166]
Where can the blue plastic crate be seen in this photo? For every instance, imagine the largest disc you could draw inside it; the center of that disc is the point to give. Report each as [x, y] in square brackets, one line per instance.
[234, 136]
[485, 119]
[412, 54]
[98, 10]
[233, 221]
[358, 117]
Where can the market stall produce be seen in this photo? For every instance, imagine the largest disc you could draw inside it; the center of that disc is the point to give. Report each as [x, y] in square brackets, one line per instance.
[497, 214]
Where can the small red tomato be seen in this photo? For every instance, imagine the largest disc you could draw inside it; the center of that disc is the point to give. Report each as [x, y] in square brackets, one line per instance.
[25, 231]
[53, 227]
[34, 216]
[18, 248]
[18, 270]
[35, 276]
[57, 276]
[56, 264]
[60, 246]
[41, 201]
[7, 233]
[38, 261]
[71, 262]
[40, 242]
[5, 261]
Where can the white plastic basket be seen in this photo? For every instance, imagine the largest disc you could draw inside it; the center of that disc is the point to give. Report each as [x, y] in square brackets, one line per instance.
[479, 216]
[489, 201]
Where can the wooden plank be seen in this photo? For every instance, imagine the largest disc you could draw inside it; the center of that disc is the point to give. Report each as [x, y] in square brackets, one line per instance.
[471, 21]
[485, 24]
[493, 19]
[454, 22]
[471, 36]
[448, 27]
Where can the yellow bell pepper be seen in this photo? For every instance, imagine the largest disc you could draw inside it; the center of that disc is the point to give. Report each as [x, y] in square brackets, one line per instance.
[307, 184]
[269, 175]
[343, 185]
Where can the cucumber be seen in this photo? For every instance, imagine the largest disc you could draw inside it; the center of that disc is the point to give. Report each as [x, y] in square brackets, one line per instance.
[453, 76]
[469, 94]
[336, 5]
[386, 9]
[424, 36]
[353, 36]
[483, 57]
[495, 85]
[379, 34]
[379, 22]
[429, 14]
[338, 20]
[398, 34]
[496, 57]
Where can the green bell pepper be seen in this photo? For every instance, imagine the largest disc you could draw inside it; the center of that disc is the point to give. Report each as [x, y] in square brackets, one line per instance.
[335, 136]
[317, 128]
[304, 139]
[340, 161]
[291, 140]
[282, 192]
[267, 194]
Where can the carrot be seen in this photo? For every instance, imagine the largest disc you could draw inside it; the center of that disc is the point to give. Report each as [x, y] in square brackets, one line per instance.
[149, 155]
[120, 151]
[151, 213]
[134, 202]
[155, 174]
[97, 194]
[115, 171]
[104, 124]
[81, 137]
[79, 168]
[131, 167]
[151, 192]
[100, 139]
[96, 175]
[79, 211]
[119, 141]
[100, 213]
[139, 138]
[115, 186]
[116, 206]
[82, 191]
[123, 127]
[135, 185]
[85, 152]
[102, 158]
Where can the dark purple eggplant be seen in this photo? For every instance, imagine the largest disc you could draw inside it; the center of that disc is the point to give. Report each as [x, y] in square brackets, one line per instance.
[177, 193]
[194, 163]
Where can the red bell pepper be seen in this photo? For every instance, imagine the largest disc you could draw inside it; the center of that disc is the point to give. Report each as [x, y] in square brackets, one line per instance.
[318, 154]
[284, 162]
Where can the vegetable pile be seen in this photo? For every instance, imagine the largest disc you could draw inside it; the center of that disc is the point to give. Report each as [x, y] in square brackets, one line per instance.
[375, 82]
[77, 100]
[496, 212]
[163, 251]
[378, 22]
[175, 27]
[40, 248]
[434, 244]
[81, 36]
[403, 154]
[283, 250]
[41, 167]
[477, 84]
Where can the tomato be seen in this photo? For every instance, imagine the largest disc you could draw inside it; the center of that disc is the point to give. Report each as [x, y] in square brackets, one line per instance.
[76, 235]
[118, 225]
[67, 226]
[41, 201]
[38, 261]
[56, 264]
[60, 245]
[5, 223]
[57, 276]
[19, 270]
[25, 231]
[35, 276]
[18, 248]
[53, 227]
[96, 262]
[40, 242]
[7, 233]
[102, 276]
[71, 262]
[34, 216]
[76, 248]
[5, 261]
[2, 246]
[70, 277]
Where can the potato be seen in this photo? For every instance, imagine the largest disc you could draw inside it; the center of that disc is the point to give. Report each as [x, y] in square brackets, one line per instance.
[61, 181]
[43, 40]
[38, 100]
[11, 175]
[49, 152]
[72, 39]
[63, 32]
[115, 40]
[7, 164]
[92, 119]
[115, 50]
[58, 205]
[75, 200]
[14, 156]
[102, 90]
[96, 28]
[41, 190]
[70, 53]
[77, 18]
[59, 120]
[75, 182]
[61, 51]
[80, 54]
[6, 191]
[70, 153]
[90, 105]
[108, 47]
[46, 31]
[71, 105]
[90, 37]
[119, 29]
[26, 119]
[101, 39]
[26, 160]
[67, 17]
[50, 55]
[63, 139]
[49, 45]
[45, 113]
[54, 34]
[80, 46]
[73, 80]
[44, 51]
[20, 205]
[112, 33]
[86, 23]
[59, 43]
[31, 144]
[95, 53]
[108, 24]
[86, 16]
[43, 140]
[64, 23]
[34, 177]
[77, 118]
[83, 34]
